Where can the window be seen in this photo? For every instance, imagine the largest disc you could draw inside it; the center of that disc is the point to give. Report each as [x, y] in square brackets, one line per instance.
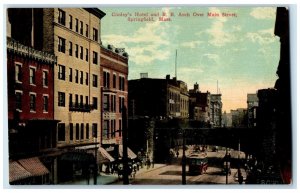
[106, 102]
[87, 131]
[81, 101]
[95, 34]
[114, 81]
[76, 76]
[32, 102]
[95, 80]
[61, 72]
[82, 131]
[105, 134]
[121, 83]
[19, 100]
[71, 131]
[113, 128]
[86, 54]
[70, 74]
[70, 99]
[61, 132]
[18, 72]
[61, 99]
[76, 25]
[106, 77]
[45, 78]
[81, 27]
[77, 131]
[121, 103]
[61, 44]
[86, 100]
[45, 103]
[87, 30]
[70, 22]
[95, 103]
[61, 17]
[94, 128]
[81, 77]
[87, 78]
[81, 52]
[113, 103]
[76, 100]
[120, 127]
[32, 75]
[95, 57]
[70, 48]
[76, 50]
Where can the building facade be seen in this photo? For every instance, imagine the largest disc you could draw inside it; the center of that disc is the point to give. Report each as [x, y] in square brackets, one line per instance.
[216, 110]
[252, 105]
[74, 38]
[158, 98]
[114, 92]
[199, 105]
[31, 123]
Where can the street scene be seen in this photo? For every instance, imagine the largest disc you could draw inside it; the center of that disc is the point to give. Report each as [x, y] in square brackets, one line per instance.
[172, 95]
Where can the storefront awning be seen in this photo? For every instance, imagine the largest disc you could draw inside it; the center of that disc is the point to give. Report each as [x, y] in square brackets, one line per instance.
[17, 172]
[104, 156]
[130, 153]
[34, 166]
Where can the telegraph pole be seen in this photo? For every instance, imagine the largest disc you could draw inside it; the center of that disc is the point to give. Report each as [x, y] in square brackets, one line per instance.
[183, 160]
[226, 162]
[125, 153]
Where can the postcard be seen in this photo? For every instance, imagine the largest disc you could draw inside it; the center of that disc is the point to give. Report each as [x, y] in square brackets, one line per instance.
[149, 95]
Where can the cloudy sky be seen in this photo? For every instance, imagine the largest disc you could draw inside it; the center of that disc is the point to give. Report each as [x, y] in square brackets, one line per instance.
[239, 51]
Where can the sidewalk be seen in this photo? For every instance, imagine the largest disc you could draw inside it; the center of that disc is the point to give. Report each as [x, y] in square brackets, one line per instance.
[106, 179]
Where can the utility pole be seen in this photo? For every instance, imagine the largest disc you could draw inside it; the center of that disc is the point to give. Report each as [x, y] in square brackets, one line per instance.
[125, 153]
[183, 159]
[176, 64]
[96, 166]
[226, 162]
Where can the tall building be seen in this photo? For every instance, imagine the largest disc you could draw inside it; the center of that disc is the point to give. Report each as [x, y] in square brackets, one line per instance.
[199, 105]
[158, 98]
[252, 105]
[31, 122]
[73, 36]
[114, 92]
[216, 109]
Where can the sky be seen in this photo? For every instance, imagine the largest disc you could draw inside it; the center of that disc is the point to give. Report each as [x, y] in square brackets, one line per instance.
[233, 55]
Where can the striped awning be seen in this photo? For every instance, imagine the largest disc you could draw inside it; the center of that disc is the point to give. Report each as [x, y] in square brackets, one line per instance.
[104, 156]
[34, 166]
[130, 153]
[17, 172]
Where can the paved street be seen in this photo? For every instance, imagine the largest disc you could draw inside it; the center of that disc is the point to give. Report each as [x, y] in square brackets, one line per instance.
[163, 174]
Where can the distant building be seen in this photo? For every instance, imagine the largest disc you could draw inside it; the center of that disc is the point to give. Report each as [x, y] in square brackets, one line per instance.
[252, 105]
[227, 119]
[199, 105]
[216, 110]
[158, 98]
[114, 92]
[239, 117]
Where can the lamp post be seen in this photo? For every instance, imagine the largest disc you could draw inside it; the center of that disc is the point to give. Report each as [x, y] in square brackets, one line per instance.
[183, 161]
[96, 166]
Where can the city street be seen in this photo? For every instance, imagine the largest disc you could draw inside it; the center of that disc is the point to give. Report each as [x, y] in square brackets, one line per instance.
[163, 174]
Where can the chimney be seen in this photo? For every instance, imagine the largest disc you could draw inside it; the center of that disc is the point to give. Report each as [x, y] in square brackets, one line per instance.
[196, 87]
[168, 77]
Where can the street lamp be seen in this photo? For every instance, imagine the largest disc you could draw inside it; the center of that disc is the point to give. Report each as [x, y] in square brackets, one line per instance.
[96, 166]
[183, 160]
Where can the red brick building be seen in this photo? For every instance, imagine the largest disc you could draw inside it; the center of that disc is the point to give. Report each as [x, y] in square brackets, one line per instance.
[31, 124]
[114, 91]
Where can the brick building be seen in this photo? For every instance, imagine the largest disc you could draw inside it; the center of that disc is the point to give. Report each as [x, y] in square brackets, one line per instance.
[73, 36]
[31, 123]
[114, 93]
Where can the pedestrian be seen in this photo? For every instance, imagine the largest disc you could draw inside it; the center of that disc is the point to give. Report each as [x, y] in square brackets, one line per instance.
[177, 154]
[240, 177]
[152, 163]
[148, 163]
